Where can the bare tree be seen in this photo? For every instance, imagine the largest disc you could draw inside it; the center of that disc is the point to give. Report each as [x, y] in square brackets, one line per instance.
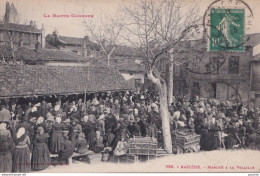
[155, 28]
[104, 30]
[8, 40]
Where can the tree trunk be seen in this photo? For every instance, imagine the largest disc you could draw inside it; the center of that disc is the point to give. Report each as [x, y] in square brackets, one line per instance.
[164, 112]
[170, 82]
[108, 60]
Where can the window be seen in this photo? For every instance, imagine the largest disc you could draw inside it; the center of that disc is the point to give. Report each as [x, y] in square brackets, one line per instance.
[215, 62]
[233, 65]
[213, 92]
[138, 83]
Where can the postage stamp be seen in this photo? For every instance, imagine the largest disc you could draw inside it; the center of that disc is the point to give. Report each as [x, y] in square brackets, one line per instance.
[226, 30]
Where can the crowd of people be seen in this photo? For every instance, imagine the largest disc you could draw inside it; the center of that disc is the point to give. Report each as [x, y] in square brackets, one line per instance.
[30, 132]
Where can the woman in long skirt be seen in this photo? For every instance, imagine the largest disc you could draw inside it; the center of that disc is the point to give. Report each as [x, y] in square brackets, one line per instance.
[40, 157]
[21, 157]
[57, 138]
[5, 149]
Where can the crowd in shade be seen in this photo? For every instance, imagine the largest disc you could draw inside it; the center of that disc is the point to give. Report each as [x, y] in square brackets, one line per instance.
[31, 132]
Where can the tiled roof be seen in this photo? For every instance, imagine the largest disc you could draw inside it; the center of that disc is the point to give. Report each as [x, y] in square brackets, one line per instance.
[65, 40]
[50, 38]
[42, 54]
[71, 40]
[48, 55]
[252, 39]
[256, 58]
[19, 27]
[26, 80]
[127, 51]
[121, 64]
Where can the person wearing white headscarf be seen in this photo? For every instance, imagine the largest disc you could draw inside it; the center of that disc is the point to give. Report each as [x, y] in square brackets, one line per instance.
[5, 149]
[58, 120]
[56, 137]
[176, 115]
[85, 118]
[40, 156]
[39, 120]
[21, 157]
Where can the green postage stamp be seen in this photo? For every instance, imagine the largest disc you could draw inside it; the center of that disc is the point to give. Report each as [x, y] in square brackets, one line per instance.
[226, 30]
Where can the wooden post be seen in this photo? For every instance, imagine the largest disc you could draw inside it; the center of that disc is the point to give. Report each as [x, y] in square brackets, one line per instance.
[85, 97]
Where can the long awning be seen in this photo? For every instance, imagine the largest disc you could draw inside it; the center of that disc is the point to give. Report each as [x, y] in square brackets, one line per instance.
[30, 80]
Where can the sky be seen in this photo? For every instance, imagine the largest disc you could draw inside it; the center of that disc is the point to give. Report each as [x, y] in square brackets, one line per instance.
[36, 10]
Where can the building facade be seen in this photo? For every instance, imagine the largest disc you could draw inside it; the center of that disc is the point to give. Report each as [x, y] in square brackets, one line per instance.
[80, 46]
[255, 80]
[225, 76]
[15, 35]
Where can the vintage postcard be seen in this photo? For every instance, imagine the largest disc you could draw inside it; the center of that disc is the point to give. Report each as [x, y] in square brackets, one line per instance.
[129, 86]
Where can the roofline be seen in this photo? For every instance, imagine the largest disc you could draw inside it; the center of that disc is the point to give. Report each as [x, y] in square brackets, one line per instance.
[64, 93]
[24, 31]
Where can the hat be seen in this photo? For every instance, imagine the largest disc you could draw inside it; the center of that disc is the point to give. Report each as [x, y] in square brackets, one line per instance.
[56, 107]
[50, 118]
[39, 120]
[107, 110]
[34, 109]
[180, 123]
[67, 121]
[74, 108]
[40, 130]
[33, 119]
[58, 119]
[65, 132]
[153, 105]
[85, 118]
[38, 104]
[91, 118]
[176, 115]
[3, 126]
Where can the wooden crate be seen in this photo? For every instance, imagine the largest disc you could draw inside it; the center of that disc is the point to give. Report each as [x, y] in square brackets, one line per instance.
[142, 146]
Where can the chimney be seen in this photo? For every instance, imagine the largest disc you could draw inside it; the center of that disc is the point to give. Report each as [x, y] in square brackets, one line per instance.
[55, 34]
[84, 49]
[43, 36]
[31, 23]
[86, 38]
[34, 24]
[37, 47]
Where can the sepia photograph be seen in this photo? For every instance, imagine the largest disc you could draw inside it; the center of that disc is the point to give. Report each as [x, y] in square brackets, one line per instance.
[129, 86]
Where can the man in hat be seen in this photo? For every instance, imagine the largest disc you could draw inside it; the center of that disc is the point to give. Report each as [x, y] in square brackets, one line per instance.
[44, 109]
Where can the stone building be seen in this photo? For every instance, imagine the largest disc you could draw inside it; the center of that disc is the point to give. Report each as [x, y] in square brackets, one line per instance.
[11, 14]
[225, 76]
[255, 80]
[81, 46]
[15, 35]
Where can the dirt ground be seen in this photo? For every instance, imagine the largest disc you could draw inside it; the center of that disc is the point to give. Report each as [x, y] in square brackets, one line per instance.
[212, 161]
